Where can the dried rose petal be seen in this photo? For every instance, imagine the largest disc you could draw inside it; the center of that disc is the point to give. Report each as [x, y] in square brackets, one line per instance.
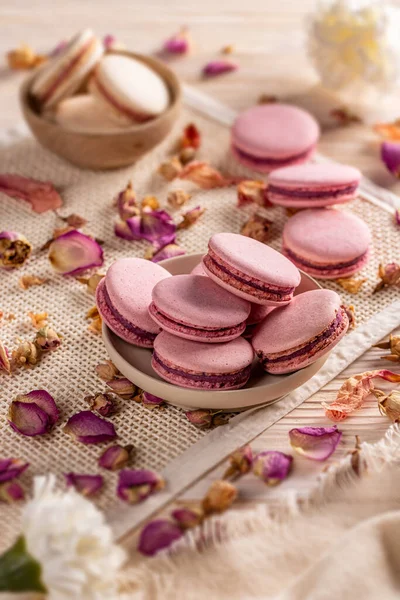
[219, 497]
[14, 249]
[344, 116]
[179, 43]
[389, 274]
[28, 281]
[241, 462]
[34, 413]
[155, 226]
[351, 315]
[204, 175]
[170, 169]
[316, 443]
[186, 155]
[390, 155]
[135, 485]
[397, 217]
[169, 251]
[351, 285]
[123, 231]
[272, 466]
[252, 191]
[74, 252]
[389, 405]
[42, 195]
[353, 393]
[88, 428]
[110, 42]
[11, 491]
[126, 203]
[389, 131]
[87, 485]
[11, 468]
[104, 404]
[191, 137]
[116, 457]
[157, 535]
[257, 227]
[150, 202]
[4, 359]
[122, 387]
[151, 401]
[188, 517]
[201, 418]
[190, 217]
[107, 371]
[47, 339]
[219, 67]
[59, 48]
[91, 282]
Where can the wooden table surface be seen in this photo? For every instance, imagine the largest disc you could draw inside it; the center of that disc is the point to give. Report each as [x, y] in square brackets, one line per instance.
[268, 37]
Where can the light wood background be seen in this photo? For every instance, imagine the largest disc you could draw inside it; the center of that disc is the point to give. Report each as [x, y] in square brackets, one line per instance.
[268, 37]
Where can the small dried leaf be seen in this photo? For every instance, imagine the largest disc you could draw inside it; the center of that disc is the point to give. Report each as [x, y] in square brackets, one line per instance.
[107, 371]
[257, 228]
[351, 315]
[351, 285]
[27, 281]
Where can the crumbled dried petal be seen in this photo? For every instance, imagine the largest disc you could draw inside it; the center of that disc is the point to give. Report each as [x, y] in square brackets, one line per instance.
[11, 491]
[122, 387]
[42, 195]
[11, 468]
[316, 443]
[180, 43]
[116, 457]
[88, 428]
[389, 404]
[26, 354]
[353, 393]
[74, 252]
[169, 251]
[47, 339]
[4, 359]
[151, 401]
[272, 466]
[393, 345]
[126, 203]
[75, 221]
[240, 461]
[176, 198]
[14, 249]
[389, 131]
[186, 155]
[191, 137]
[344, 116]
[219, 67]
[28, 281]
[188, 517]
[170, 169]
[157, 535]
[34, 413]
[38, 320]
[204, 175]
[150, 202]
[24, 58]
[389, 274]
[351, 315]
[190, 217]
[350, 284]
[104, 404]
[91, 282]
[219, 497]
[154, 226]
[87, 485]
[397, 217]
[390, 155]
[257, 227]
[267, 99]
[135, 485]
[107, 371]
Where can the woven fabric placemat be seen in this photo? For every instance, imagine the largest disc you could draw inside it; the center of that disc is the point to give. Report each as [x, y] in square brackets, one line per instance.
[160, 436]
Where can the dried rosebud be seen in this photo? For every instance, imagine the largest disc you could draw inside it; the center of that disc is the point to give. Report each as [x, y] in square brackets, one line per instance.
[126, 203]
[41, 195]
[157, 535]
[170, 169]
[87, 485]
[176, 198]
[316, 443]
[38, 320]
[4, 359]
[104, 404]
[11, 468]
[96, 320]
[122, 387]
[257, 227]
[154, 226]
[252, 191]
[27, 281]
[27, 354]
[191, 137]
[390, 155]
[168, 251]
[24, 58]
[150, 401]
[351, 315]
[389, 274]
[107, 371]
[201, 418]
[91, 282]
[188, 517]
[88, 428]
[219, 67]
[74, 252]
[394, 346]
[14, 249]
[272, 466]
[180, 43]
[240, 461]
[344, 116]
[389, 405]
[351, 285]
[75, 221]
[186, 155]
[116, 457]
[11, 491]
[47, 339]
[219, 418]
[150, 202]
[33, 414]
[190, 217]
[219, 497]
[135, 485]
[204, 175]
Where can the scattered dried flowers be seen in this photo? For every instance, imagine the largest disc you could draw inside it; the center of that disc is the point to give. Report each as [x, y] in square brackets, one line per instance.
[88, 428]
[136, 485]
[353, 393]
[252, 191]
[219, 67]
[390, 155]
[42, 195]
[11, 468]
[104, 404]
[350, 284]
[91, 282]
[122, 387]
[170, 168]
[14, 250]
[4, 359]
[241, 462]
[219, 497]
[389, 404]
[73, 252]
[38, 320]
[33, 414]
[168, 251]
[24, 57]
[87, 485]
[158, 534]
[28, 281]
[257, 227]
[389, 274]
[191, 137]
[116, 457]
[203, 418]
[316, 443]
[176, 198]
[344, 116]
[179, 44]
[47, 339]
[272, 466]
[393, 344]
[190, 217]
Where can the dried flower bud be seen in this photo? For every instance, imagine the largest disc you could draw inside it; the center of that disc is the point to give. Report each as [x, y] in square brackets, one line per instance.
[201, 418]
[75, 221]
[27, 281]
[351, 285]
[170, 169]
[104, 404]
[151, 401]
[176, 198]
[186, 155]
[190, 217]
[257, 227]
[240, 462]
[272, 466]
[14, 250]
[4, 359]
[107, 371]
[389, 405]
[191, 137]
[150, 202]
[91, 282]
[38, 320]
[157, 535]
[24, 58]
[178, 44]
[219, 67]
[26, 354]
[219, 497]
[188, 517]
[252, 191]
[116, 457]
[389, 274]
[126, 203]
[351, 315]
[355, 460]
[228, 49]
[47, 339]
[135, 485]
[122, 387]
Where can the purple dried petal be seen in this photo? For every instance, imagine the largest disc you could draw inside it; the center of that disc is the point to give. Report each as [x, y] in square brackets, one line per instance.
[104, 404]
[74, 252]
[272, 466]
[178, 43]
[187, 517]
[122, 230]
[115, 457]
[157, 535]
[397, 217]
[44, 401]
[109, 41]
[28, 419]
[201, 418]
[135, 485]
[11, 491]
[88, 428]
[390, 154]
[122, 387]
[169, 251]
[9, 235]
[10, 468]
[316, 443]
[151, 401]
[87, 485]
[155, 226]
[218, 67]
[126, 203]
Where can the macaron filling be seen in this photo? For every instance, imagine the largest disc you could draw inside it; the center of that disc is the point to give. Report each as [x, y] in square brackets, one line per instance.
[275, 162]
[318, 193]
[136, 116]
[240, 280]
[140, 333]
[325, 267]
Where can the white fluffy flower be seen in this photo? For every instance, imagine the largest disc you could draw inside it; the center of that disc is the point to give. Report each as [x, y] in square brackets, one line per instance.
[70, 539]
[356, 40]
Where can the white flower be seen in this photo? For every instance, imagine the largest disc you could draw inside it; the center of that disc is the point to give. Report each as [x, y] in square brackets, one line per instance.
[70, 539]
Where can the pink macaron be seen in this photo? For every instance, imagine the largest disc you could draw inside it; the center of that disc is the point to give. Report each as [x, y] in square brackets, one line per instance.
[199, 269]
[250, 269]
[294, 336]
[258, 312]
[270, 136]
[313, 185]
[123, 299]
[189, 364]
[196, 308]
[327, 243]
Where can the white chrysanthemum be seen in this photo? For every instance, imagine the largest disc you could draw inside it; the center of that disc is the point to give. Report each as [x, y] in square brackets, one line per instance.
[70, 539]
[356, 40]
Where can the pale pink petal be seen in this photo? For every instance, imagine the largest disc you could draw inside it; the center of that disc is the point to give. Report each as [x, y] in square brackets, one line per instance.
[316, 443]
[88, 428]
[154, 226]
[28, 419]
[42, 195]
[44, 401]
[219, 67]
[169, 251]
[74, 252]
[272, 466]
[390, 154]
[157, 535]
[115, 457]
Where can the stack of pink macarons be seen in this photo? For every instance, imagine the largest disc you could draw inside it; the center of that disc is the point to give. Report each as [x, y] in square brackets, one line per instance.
[196, 324]
[85, 89]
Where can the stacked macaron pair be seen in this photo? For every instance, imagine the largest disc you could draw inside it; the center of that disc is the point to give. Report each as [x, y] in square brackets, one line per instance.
[83, 88]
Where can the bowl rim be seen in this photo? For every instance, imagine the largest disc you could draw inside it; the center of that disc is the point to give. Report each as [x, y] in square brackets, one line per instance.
[174, 86]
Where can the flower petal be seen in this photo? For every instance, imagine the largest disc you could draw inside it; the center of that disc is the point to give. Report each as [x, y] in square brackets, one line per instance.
[126, 203]
[14, 250]
[157, 535]
[250, 191]
[257, 227]
[204, 175]
[169, 251]
[177, 198]
[74, 252]
[44, 401]
[241, 462]
[10, 468]
[107, 371]
[389, 405]
[220, 496]
[390, 154]
[179, 43]
[219, 67]
[155, 226]
[42, 195]
[28, 419]
[200, 418]
[122, 387]
[151, 401]
[191, 137]
[87, 485]
[88, 428]
[389, 274]
[104, 404]
[115, 457]
[11, 491]
[190, 217]
[135, 485]
[187, 518]
[397, 217]
[47, 339]
[272, 466]
[4, 359]
[316, 443]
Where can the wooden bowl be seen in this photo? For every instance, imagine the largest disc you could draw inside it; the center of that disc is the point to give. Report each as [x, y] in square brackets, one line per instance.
[108, 150]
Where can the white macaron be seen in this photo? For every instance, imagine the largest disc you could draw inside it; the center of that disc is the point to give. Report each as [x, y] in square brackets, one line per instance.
[86, 114]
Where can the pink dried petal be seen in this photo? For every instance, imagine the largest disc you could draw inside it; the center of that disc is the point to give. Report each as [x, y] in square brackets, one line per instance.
[169, 251]
[44, 401]
[87, 485]
[187, 518]
[191, 137]
[397, 217]
[11, 468]
[126, 203]
[157, 535]
[74, 252]
[88, 428]
[200, 418]
[28, 419]
[109, 41]
[205, 176]
[250, 191]
[115, 457]
[390, 155]
[316, 443]
[42, 195]
[122, 387]
[179, 43]
[155, 226]
[219, 67]
[11, 492]
[272, 466]
[353, 393]
[151, 401]
[122, 230]
[4, 359]
[135, 485]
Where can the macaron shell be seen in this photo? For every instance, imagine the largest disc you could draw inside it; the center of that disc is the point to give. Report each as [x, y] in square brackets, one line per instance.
[258, 312]
[267, 167]
[199, 270]
[85, 113]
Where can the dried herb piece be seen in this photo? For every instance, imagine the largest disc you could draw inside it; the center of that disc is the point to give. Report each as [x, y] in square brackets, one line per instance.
[389, 131]
[267, 99]
[229, 49]
[203, 418]
[351, 315]
[389, 274]
[47, 339]
[73, 220]
[26, 354]
[186, 155]
[107, 371]
[122, 387]
[257, 228]
[355, 460]
[96, 320]
[350, 284]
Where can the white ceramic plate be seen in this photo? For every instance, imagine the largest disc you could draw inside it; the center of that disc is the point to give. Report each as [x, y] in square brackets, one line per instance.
[262, 388]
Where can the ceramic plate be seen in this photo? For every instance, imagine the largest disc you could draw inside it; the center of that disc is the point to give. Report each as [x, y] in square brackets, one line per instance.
[262, 388]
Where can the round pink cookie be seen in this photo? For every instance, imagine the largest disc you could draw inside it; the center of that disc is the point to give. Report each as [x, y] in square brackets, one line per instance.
[199, 269]
[258, 312]
[250, 269]
[327, 243]
[296, 335]
[270, 136]
[196, 308]
[189, 364]
[313, 185]
[123, 299]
